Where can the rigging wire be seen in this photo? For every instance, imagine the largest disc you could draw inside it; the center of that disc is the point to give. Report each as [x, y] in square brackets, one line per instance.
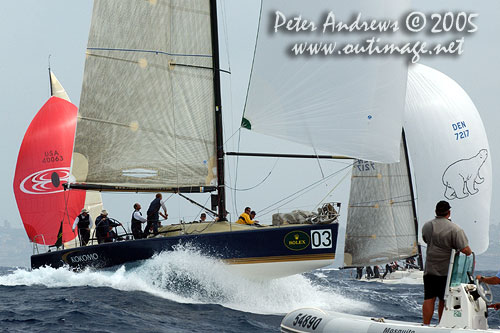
[258, 184]
[237, 131]
[296, 195]
[169, 197]
[319, 164]
[226, 35]
[66, 198]
[340, 181]
[223, 9]
[236, 175]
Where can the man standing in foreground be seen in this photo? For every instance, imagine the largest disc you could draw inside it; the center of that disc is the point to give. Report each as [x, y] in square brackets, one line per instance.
[154, 214]
[441, 236]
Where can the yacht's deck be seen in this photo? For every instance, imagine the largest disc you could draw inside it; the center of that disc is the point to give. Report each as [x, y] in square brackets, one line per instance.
[210, 227]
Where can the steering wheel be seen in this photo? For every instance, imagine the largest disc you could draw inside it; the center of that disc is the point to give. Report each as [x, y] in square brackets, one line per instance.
[125, 233]
[484, 291]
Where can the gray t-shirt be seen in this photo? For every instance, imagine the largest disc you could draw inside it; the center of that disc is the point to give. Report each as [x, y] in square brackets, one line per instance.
[441, 236]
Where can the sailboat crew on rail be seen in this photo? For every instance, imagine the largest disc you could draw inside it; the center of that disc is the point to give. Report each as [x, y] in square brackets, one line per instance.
[245, 217]
[154, 215]
[84, 223]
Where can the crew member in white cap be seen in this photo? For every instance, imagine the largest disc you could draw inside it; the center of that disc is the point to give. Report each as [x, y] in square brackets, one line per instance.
[84, 223]
[104, 228]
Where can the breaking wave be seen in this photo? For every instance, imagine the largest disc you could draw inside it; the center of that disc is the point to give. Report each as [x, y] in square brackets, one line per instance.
[187, 276]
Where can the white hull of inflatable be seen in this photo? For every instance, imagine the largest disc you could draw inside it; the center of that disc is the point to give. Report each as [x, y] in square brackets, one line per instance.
[315, 320]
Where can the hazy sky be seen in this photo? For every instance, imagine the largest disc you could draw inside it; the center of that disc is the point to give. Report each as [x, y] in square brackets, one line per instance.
[33, 29]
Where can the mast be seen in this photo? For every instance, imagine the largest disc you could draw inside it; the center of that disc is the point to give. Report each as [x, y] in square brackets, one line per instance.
[419, 248]
[221, 193]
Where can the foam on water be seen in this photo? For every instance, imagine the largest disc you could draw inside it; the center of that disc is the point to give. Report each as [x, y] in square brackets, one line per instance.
[186, 276]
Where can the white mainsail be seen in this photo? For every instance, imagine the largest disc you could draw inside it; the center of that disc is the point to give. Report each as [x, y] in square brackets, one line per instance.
[93, 199]
[345, 105]
[380, 222]
[447, 141]
[147, 106]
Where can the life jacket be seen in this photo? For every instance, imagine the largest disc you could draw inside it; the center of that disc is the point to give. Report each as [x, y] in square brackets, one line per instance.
[134, 220]
[83, 221]
[154, 208]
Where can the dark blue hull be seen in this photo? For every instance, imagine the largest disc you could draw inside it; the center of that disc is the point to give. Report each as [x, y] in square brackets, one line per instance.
[259, 245]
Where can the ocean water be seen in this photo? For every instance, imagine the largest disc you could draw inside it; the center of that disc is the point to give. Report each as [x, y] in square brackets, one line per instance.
[184, 291]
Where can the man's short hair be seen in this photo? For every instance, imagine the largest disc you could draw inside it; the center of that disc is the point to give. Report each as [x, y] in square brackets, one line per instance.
[442, 208]
[136, 205]
[158, 195]
[247, 208]
[203, 215]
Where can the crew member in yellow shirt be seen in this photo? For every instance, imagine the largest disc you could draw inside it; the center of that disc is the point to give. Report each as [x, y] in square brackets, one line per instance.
[245, 217]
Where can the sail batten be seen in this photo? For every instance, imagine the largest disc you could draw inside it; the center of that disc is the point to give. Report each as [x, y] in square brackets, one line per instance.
[147, 98]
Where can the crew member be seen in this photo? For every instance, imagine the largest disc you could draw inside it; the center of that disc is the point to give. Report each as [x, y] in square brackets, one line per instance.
[245, 217]
[491, 280]
[203, 217]
[84, 223]
[137, 220]
[104, 228]
[154, 215]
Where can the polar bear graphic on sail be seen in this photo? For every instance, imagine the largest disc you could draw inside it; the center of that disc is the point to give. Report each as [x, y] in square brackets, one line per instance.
[461, 177]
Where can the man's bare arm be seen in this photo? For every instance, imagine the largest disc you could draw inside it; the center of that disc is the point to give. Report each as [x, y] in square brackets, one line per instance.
[489, 279]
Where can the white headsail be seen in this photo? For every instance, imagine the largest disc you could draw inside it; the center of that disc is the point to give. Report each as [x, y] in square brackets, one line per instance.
[57, 88]
[346, 105]
[449, 152]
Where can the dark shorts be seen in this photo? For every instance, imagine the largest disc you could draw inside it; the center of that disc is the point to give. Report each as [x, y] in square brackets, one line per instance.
[434, 286]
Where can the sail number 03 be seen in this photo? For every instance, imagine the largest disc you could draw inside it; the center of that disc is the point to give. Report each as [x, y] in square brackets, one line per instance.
[321, 239]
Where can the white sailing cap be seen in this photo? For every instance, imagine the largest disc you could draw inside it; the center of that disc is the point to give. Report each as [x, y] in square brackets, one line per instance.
[104, 212]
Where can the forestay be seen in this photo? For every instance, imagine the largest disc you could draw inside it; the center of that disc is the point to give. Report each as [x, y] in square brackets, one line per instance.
[347, 105]
[380, 221]
[146, 117]
[449, 152]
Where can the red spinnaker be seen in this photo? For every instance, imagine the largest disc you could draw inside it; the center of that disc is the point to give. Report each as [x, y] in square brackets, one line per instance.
[43, 165]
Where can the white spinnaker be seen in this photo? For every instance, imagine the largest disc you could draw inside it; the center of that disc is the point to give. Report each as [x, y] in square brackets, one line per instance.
[348, 105]
[449, 152]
